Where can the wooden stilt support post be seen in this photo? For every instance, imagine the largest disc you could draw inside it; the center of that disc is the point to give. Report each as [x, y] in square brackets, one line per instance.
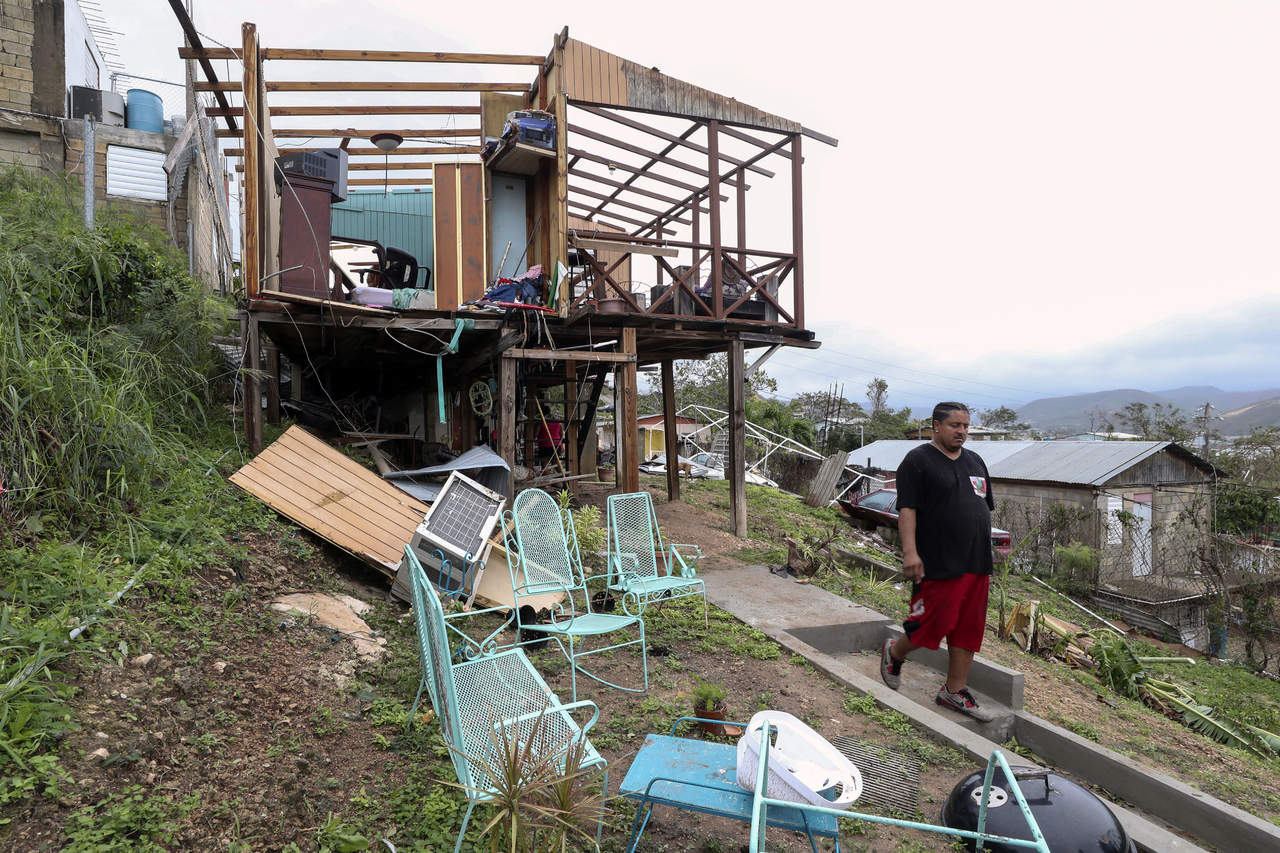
[627, 413]
[252, 387]
[507, 419]
[797, 230]
[670, 430]
[713, 197]
[737, 439]
[571, 418]
[273, 385]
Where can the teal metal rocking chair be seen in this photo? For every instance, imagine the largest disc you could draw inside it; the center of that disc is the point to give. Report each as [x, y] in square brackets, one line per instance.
[639, 564]
[483, 695]
[543, 557]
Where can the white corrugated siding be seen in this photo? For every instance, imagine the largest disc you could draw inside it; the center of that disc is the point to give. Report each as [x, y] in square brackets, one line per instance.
[136, 173]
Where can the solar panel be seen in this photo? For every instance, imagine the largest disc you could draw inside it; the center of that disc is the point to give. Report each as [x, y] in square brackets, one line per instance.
[462, 517]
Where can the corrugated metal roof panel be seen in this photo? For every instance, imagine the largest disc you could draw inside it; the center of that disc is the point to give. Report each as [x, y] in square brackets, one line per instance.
[400, 219]
[136, 173]
[1075, 462]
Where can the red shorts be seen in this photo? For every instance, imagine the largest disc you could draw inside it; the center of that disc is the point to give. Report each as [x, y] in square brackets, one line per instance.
[954, 608]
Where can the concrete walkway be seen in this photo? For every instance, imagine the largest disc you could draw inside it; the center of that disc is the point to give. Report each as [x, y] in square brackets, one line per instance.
[840, 638]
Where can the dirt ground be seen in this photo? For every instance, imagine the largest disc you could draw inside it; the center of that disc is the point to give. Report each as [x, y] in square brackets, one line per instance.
[213, 723]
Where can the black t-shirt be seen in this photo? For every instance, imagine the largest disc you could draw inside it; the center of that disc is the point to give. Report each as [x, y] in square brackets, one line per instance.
[953, 504]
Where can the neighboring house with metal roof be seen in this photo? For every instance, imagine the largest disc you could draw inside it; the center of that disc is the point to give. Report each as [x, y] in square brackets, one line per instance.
[1145, 506]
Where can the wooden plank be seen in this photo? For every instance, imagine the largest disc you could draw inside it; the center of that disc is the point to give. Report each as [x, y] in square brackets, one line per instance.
[572, 355]
[347, 110]
[402, 151]
[614, 215]
[273, 385]
[473, 237]
[252, 386]
[444, 203]
[823, 488]
[316, 505]
[627, 412]
[571, 419]
[368, 86]
[507, 419]
[386, 505]
[797, 232]
[608, 200]
[251, 270]
[377, 182]
[610, 182]
[670, 429]
[631, 248]
[332, 55]
[321, 489]
[328, 304]
[359, 132]
[493, 109]
[637, 170]
[737, 462]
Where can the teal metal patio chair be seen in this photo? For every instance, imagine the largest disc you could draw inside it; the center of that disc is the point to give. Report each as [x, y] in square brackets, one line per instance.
[543, 557]
[481, 694]
[639, 564]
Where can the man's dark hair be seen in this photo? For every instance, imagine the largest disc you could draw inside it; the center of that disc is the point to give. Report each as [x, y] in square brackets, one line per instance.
[942, 410]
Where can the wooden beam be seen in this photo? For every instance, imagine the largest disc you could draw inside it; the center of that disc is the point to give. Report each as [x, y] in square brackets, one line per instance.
[610, 182]
[760, 143]
[635, 149]
[395, 182]
[571, 419]
[627, 413]
[425, 151]
[736, 465]
[619, 246]
[273, 385]
[250, 266]
[359, 132]
[797, 231]
[572, 355]
[713, 188]
[653, 131]
[614, 200]
[669, 429]
[252, 385]
[638, 171]
[368, 86]
[193, 39]
[368, 110]
[614, 215]
[507, 421]
[323, 54]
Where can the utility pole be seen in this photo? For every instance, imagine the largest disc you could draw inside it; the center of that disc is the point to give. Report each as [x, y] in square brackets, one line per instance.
[1207, 408]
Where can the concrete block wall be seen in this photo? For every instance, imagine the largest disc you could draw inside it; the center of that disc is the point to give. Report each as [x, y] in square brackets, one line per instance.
[17, 35]
[154, 212]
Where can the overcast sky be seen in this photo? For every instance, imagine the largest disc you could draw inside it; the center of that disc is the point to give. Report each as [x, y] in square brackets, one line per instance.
[1028, 198]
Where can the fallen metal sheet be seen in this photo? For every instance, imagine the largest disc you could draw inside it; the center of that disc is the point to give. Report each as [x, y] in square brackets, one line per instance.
[491, 472]
[890, 780]
[333, 496]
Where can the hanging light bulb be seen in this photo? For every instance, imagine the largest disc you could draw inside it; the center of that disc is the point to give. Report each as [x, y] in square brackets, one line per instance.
[386, 143]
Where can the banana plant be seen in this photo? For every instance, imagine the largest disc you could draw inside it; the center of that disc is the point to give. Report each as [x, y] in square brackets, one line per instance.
[1123, 671]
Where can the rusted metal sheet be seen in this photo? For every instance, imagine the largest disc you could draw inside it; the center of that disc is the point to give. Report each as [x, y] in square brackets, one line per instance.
[316, 487]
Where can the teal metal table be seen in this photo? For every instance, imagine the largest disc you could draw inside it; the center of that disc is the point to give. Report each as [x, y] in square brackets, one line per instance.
[701, 776]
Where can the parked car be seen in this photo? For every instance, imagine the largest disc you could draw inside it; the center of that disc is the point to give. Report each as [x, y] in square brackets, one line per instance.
[880, 509]
[658, 465]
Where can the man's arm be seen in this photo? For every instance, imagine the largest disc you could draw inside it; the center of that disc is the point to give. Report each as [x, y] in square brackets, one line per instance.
[912, 565]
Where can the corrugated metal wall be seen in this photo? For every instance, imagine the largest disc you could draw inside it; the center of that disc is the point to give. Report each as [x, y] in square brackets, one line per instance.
[401, 219]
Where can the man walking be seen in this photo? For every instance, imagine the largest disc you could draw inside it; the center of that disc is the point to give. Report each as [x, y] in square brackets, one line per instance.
[944, 518]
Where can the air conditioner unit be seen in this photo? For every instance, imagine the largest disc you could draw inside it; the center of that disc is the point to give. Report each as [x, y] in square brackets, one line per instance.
[328, 164]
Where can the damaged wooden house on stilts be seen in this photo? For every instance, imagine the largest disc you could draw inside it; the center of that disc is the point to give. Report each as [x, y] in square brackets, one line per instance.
[525, 240]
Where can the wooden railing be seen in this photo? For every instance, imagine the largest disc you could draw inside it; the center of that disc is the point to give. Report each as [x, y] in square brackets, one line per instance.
[750, 281]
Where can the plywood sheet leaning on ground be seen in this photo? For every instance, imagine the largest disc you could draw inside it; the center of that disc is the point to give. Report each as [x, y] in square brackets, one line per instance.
[315, 486]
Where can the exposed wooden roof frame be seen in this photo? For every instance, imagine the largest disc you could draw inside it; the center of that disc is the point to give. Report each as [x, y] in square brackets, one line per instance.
[653, 131]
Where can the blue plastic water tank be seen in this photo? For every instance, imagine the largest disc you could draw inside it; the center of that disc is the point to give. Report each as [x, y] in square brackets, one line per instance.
[144, 111]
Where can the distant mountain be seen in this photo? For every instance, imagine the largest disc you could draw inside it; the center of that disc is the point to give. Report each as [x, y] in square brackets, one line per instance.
[1240, 410]
[1072, 413]
[1193, 397]
[1252, 416]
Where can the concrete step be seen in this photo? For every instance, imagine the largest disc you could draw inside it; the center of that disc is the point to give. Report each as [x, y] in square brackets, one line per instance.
[920, 684]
